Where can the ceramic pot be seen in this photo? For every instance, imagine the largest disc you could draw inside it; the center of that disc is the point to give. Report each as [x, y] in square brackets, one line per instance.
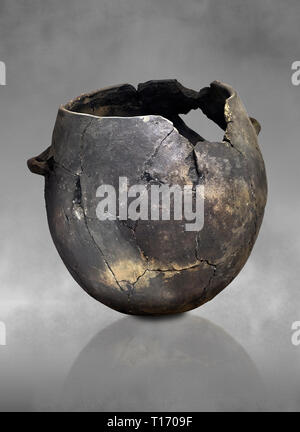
[147, 266]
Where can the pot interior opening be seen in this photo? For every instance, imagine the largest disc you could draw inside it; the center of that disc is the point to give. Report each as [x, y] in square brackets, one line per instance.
[166, 98]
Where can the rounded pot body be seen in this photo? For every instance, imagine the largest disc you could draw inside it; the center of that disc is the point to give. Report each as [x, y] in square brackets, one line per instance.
[150, 266]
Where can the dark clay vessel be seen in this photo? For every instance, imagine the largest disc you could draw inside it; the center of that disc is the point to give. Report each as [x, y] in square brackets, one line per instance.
[144, 266]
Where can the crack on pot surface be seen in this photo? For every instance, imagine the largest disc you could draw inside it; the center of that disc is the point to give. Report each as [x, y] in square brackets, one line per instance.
[148, 162]
[82, 144]
[77, 201]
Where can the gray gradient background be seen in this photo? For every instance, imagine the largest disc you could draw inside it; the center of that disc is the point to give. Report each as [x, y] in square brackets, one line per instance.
[55, 50]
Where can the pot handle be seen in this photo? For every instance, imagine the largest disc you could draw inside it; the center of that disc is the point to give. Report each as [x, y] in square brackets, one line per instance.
[40, 164]
[255, 124]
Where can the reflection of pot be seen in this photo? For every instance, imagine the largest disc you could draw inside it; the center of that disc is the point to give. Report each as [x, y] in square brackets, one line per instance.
[185, 363]
[144, 267]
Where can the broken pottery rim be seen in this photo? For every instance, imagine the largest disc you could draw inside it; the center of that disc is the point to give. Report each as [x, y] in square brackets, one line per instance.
[38, 164]
[232, 94]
